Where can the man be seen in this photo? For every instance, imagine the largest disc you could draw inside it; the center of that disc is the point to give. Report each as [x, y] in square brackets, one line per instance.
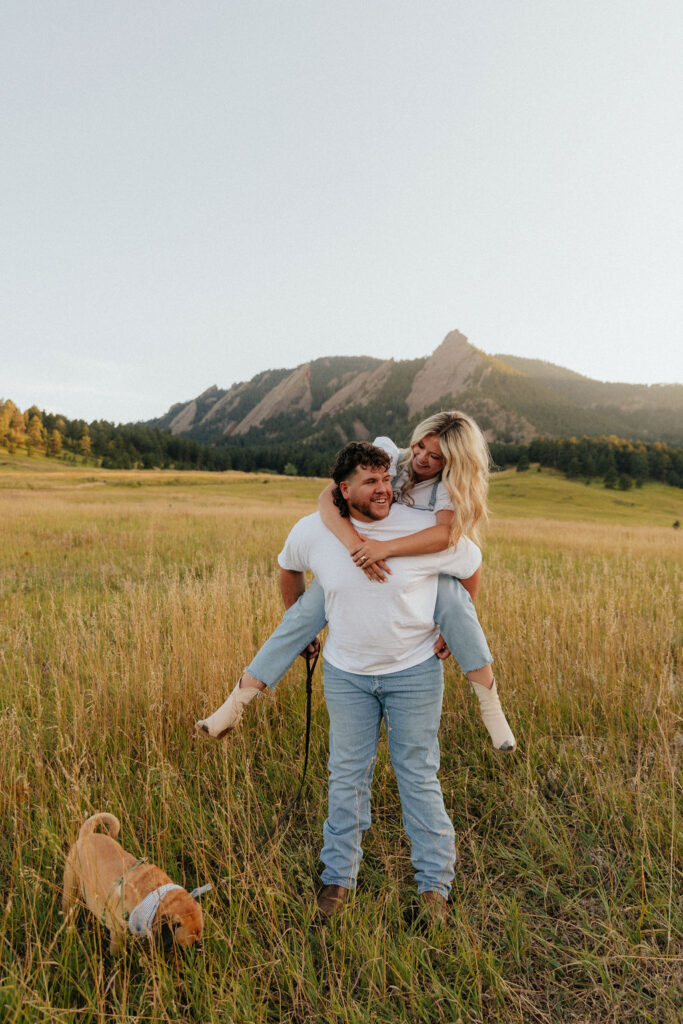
[379, 666]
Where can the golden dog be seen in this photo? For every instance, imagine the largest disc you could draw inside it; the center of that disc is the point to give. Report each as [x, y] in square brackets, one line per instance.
[125, 893]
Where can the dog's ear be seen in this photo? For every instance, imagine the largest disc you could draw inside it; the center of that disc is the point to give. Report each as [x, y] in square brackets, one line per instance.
[165, 934]
[165, 918]
[164, 926]
[179, 919]
[174, 930]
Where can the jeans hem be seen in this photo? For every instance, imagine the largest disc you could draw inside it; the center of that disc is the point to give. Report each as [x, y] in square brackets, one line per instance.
[441, 889]
[346, 883]
[271, 686]
[475, 668]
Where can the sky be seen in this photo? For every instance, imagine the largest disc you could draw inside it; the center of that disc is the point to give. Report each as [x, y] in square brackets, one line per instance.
[194, 192]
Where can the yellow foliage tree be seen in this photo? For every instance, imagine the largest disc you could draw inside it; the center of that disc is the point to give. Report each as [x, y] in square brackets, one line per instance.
[17, 428]
[54, 445]
[36, 434]
[85, 442]
[7, 411]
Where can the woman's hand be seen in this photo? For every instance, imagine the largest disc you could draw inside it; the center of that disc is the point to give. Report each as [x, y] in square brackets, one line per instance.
[377, 572]
[368, 552]
[370, 556]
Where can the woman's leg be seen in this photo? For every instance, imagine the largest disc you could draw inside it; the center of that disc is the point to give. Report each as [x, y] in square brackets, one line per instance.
[300, 625]
[459, 624]
[460, 628]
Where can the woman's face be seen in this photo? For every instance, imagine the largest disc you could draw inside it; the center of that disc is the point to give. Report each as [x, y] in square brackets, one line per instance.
[428, 460]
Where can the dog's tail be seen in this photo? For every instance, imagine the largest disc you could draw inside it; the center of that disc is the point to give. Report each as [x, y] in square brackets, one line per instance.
[110, 820]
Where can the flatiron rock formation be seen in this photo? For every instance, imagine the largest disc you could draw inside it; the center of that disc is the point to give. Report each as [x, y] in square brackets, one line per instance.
[337, 398]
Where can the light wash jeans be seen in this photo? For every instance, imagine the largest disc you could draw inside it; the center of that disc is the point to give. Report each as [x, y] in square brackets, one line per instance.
[409, 702]
[454, 611]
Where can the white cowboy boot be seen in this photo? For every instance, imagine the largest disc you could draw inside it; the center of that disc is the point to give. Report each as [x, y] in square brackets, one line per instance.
[228, 715]
[494, 718]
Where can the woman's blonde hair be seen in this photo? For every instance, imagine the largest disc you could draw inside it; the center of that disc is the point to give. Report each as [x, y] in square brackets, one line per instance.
[465, 472]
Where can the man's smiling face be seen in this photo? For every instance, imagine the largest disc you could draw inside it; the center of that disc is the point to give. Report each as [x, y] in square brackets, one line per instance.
[368, 493]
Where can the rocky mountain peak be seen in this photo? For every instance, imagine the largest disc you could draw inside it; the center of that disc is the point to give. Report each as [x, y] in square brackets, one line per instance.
[336, 398]
[447, 372]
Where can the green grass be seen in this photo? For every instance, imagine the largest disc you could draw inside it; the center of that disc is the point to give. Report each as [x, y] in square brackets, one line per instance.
[549, 495]
[130, 605]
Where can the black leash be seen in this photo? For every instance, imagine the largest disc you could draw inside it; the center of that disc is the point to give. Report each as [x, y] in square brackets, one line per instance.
[311, 662]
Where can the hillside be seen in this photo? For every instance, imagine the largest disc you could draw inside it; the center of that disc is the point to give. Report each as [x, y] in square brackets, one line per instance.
[335, 399]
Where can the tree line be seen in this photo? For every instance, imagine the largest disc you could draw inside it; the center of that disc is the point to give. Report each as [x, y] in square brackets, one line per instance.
[137, 446]
[617, 462]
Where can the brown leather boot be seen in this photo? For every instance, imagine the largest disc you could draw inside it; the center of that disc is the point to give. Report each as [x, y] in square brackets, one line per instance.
[433, 906]
[331, 898]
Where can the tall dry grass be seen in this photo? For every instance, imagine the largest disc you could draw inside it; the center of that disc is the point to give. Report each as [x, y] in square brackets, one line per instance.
[129, 613]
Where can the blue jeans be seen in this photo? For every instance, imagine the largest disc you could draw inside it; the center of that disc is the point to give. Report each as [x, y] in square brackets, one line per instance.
[454, 611]
[409, 702]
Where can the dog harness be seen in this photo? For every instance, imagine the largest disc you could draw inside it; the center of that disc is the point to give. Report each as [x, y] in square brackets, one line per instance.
[141, 917]
[118, 884]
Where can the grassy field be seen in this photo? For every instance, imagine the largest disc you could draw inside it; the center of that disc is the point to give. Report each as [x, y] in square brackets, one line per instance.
[130, 603]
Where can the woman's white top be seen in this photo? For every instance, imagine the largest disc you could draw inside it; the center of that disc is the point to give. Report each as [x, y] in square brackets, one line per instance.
[421, 492]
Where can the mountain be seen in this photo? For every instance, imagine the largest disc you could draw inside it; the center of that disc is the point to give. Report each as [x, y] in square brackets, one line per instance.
[334, 399]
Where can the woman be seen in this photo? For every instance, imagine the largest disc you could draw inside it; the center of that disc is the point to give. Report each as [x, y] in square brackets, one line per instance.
[443, 477]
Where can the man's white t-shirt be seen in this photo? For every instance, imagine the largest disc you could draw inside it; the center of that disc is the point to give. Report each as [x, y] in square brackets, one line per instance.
[377, 628]
[420, 494]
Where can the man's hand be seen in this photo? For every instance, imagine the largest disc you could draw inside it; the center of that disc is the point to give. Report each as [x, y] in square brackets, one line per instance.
[312, 650]
[441, 648]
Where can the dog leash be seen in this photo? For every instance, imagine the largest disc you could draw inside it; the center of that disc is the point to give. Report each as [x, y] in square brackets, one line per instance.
[311, 662]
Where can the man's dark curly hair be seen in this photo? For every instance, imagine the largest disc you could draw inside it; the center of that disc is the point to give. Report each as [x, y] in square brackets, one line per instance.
[353, 455]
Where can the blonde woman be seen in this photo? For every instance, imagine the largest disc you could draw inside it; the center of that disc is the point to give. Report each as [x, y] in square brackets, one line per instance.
[443, 478]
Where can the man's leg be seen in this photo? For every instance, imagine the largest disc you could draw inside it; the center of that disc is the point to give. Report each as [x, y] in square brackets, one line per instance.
[355, 720]
[412, 711]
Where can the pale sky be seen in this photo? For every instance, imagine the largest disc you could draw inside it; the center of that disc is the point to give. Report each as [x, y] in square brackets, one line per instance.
[194, 192]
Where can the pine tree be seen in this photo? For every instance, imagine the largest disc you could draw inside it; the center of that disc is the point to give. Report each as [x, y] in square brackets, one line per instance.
[611, 478]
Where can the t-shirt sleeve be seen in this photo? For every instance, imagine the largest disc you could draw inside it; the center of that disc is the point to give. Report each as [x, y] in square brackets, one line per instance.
[443, 501]
[462, 562]
[388, 446]
[295, 554]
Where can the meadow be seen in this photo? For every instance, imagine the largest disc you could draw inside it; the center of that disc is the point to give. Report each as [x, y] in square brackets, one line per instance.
[130, 604]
